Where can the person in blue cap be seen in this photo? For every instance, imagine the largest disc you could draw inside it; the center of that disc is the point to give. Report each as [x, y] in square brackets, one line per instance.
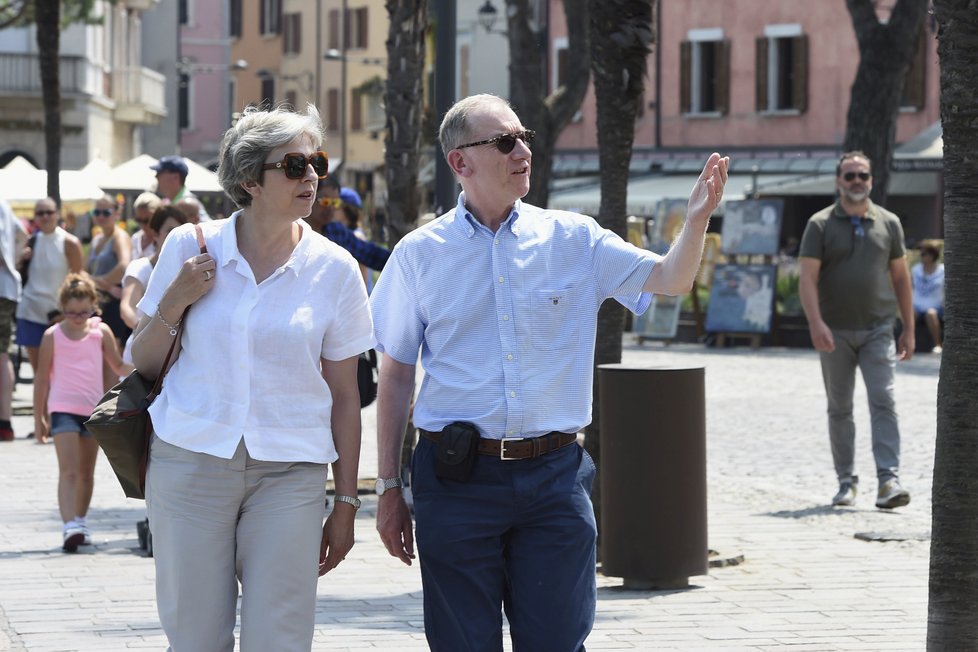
[171, 183]
[327, 217]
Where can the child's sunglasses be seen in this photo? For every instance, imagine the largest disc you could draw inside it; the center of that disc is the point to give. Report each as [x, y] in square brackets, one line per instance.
[294, 165]
[506, 142]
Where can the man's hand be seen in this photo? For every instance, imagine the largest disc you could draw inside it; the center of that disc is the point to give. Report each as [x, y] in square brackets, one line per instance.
[708, 190]
[337, 537]
[907, 343]
[394, 525]
[822, 338]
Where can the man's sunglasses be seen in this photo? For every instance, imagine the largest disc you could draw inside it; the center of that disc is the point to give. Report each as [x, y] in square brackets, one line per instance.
[294, 165]
[102, 212]
[506, 142]
[863, 176]
[44, 212]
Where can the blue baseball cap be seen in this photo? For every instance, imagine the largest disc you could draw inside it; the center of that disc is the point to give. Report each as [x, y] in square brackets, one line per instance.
[171, 164]
[351, 197]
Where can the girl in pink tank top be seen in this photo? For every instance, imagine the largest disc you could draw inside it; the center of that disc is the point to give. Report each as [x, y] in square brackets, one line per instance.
[67, 386]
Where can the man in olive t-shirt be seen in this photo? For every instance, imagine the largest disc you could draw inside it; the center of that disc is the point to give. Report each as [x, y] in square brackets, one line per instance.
[854, 278]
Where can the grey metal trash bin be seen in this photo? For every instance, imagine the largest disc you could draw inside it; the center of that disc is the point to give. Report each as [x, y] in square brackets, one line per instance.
[653, 475]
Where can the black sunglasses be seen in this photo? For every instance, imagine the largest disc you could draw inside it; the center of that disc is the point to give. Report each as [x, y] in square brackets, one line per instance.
[102, 212]
[506, 142]
[863, 176]
[44, 212]
[294, 164]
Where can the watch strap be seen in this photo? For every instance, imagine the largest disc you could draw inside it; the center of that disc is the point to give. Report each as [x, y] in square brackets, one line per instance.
[348, 499]
[392, 483]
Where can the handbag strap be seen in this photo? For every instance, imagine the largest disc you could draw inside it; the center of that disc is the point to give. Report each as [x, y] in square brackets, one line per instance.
[158, 385]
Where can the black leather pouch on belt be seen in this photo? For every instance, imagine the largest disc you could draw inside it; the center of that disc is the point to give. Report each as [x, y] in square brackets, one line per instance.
[457, 452]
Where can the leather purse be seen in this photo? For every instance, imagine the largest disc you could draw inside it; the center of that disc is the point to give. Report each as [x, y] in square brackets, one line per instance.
[121, 423]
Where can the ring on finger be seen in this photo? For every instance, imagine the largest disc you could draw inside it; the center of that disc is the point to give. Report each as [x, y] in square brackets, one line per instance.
[207, 274]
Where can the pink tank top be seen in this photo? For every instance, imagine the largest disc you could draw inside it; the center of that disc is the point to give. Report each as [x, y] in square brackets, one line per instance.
[76, 372]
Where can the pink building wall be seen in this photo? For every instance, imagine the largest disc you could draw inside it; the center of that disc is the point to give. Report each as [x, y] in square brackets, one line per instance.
[833, 58]
[204, 41]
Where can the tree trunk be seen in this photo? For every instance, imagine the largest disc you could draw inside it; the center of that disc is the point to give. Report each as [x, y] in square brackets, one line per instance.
[621, 36]
[404, 94]
[885, 52]
[951, 623]
[48, 19]
[528, 84]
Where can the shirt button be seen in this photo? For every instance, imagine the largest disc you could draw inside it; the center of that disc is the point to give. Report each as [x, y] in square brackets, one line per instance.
[512, 394]
[502, 280]
[496, 242]
[505, 317]
[509, 356]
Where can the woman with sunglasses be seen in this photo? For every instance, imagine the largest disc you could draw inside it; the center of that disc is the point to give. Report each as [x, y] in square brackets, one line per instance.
[107, 260]
[237, 473]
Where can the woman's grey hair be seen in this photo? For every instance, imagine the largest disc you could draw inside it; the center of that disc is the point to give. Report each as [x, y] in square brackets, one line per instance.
[246, 145]
[454, 130]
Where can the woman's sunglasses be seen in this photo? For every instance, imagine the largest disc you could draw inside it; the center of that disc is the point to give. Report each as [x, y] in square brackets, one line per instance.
[506, 142]
[102, 212]
[863, 176]
[294, 165]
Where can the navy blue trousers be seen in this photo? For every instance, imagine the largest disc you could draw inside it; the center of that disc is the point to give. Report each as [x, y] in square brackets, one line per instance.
[519, 535]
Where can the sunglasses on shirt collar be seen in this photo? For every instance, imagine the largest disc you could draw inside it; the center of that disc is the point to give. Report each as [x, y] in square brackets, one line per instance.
[506, 142]
[294, 164]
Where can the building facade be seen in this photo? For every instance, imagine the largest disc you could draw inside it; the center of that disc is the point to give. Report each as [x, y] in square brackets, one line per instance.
[108, 94]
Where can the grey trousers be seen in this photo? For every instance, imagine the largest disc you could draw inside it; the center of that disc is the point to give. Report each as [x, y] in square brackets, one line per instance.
[217, 522]
[874, 353]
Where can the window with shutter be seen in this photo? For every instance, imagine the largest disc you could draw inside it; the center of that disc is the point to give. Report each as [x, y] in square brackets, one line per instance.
[235, 18]
[781, 74]
[333, 109]
[704, 79]
[356, 110]
[333, 30]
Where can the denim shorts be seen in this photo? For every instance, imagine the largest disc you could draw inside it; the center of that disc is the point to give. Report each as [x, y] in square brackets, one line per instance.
[66, 422]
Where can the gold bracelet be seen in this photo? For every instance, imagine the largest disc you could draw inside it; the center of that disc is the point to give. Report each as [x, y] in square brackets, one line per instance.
[173, 329]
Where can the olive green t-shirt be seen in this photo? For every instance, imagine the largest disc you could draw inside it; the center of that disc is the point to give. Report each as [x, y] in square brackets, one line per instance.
[855, 291]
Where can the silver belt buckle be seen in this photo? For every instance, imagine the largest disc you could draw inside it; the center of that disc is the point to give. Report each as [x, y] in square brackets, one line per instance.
[502, 447]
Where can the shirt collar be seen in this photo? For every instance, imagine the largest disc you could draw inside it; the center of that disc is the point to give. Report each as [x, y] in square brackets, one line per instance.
[469, 224]
[871, 214]
[230, 250]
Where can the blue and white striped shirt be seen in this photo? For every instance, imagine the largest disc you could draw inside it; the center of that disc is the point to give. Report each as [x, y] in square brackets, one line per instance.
[505, 321]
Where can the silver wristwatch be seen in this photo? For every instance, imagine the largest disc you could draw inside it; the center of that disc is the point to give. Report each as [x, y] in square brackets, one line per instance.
[352, 500]
[383, 484]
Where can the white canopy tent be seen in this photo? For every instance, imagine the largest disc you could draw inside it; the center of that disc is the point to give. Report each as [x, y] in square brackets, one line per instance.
[22, 182]
[137, 175]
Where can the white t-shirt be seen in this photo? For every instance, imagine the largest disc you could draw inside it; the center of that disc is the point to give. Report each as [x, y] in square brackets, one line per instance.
[139, 270]
[250, 364]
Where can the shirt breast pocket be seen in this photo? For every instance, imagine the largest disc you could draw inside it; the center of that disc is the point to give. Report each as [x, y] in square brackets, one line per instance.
[553, 319]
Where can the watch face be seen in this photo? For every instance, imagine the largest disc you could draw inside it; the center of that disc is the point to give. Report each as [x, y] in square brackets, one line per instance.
[380, 487]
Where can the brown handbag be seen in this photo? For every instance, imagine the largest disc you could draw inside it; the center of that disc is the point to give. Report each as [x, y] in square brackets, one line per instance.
[121, 423]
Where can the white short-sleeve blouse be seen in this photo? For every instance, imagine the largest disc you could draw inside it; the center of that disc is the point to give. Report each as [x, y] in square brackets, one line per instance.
[250, 364]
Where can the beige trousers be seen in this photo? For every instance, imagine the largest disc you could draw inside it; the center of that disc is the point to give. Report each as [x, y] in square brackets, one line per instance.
[218, 522]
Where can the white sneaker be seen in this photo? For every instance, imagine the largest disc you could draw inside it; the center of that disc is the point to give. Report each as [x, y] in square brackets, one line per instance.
[892, 495]
[87, 541]
[74, 536]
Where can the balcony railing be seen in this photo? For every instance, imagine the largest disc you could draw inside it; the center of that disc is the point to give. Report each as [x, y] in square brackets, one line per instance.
[21, 74]
[139, 93]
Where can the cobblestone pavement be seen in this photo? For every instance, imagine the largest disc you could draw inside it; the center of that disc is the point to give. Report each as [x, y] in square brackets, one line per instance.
[807, 581]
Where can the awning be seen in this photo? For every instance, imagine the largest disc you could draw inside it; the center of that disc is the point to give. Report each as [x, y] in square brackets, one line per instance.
[22, 182]
[923, 152]
[645, 193]
[135, 174]
[902, 184]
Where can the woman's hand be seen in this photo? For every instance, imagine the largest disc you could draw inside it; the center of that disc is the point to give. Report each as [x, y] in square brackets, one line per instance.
[194, 280]
[337, 537]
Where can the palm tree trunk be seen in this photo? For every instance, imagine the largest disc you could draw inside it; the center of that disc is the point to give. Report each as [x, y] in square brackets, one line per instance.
[954, 533]
[621, 35]
[885, 52]
[405, 68]
[528, 84]
[48, 20]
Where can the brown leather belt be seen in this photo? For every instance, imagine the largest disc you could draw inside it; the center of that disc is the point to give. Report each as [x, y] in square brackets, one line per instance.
[516, 448]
